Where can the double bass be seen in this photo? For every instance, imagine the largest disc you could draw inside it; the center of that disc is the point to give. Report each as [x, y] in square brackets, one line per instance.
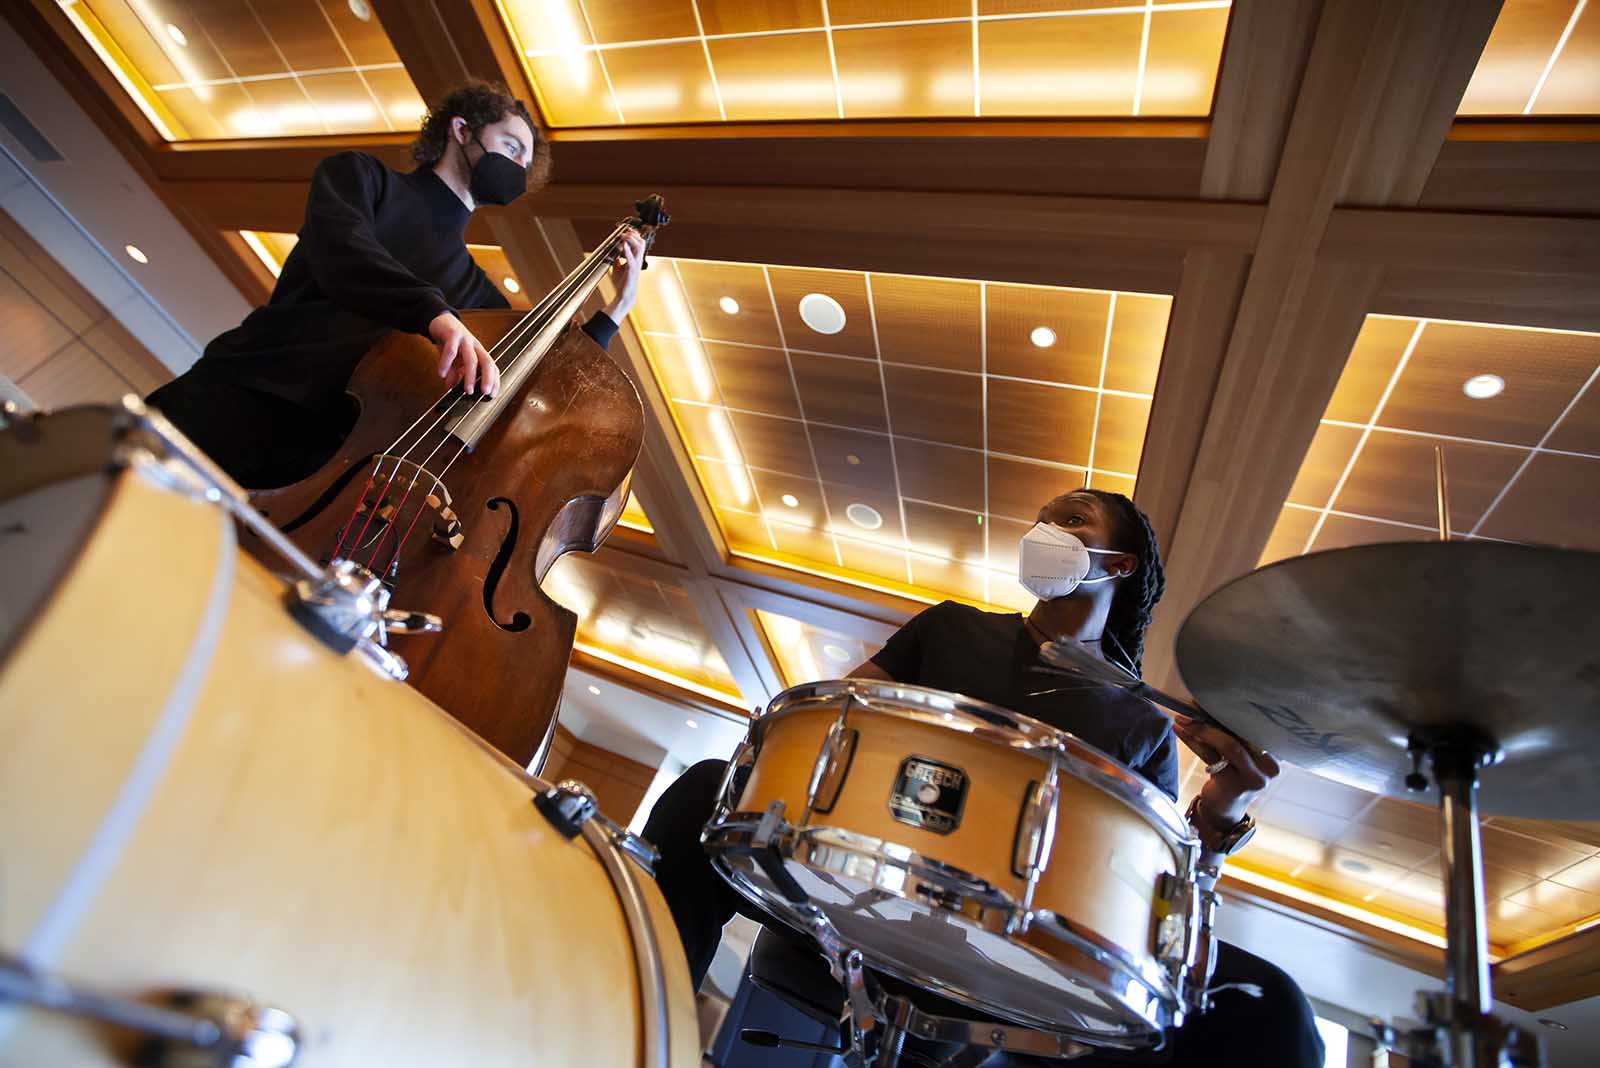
[457, 505]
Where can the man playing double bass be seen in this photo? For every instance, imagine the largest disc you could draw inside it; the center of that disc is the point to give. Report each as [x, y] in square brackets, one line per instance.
[379, 250]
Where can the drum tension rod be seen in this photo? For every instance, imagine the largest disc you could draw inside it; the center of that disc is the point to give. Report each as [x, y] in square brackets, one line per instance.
[569, 804]
[227, 1032]
[764, 851]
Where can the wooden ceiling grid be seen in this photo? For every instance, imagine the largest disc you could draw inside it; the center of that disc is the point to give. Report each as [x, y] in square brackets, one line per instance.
[1332, 180]
[944, 406]
[1522, 464]
[254, 68]
[610, 63]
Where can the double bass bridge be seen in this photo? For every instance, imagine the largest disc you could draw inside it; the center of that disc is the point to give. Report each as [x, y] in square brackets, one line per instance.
[392, 505]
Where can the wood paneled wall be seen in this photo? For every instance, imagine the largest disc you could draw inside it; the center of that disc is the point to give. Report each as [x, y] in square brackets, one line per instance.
[60, 345]
[619, 784]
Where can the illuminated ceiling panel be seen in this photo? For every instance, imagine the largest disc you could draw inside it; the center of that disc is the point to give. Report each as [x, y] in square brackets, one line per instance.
[641, 624]
[1522, 458]
[612, 63]
[1543, 58]
[893, 431]
[202, 70]
[1377, 858]
[808, 653]
[273, 248]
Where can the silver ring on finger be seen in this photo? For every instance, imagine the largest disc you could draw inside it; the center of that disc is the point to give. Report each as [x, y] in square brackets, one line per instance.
[1213, 769]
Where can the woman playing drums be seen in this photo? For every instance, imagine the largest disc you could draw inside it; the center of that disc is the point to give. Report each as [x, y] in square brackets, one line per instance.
[1093, 562]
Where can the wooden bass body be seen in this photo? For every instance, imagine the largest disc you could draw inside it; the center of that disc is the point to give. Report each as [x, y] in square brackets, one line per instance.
[550, 476]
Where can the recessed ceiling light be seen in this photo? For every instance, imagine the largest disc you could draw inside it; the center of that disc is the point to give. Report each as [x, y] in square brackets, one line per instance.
[821, 313]
[691, 724]
[512, 285]
[949, 717]
[863, 515]
[791, 500]
[852, 459]
[361, 9]
[1554, 1025]
[729, 305]
[1042, 336]
[595, 690]
[1354, 866]
[136, 254]
[177, 36]
[835, 653]
[1481, 387]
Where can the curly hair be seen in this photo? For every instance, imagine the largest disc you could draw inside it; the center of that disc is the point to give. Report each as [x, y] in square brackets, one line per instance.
[481, 104]
[1136, 597]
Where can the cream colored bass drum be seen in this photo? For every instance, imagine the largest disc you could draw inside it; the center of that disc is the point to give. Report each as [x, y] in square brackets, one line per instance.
[226, 839]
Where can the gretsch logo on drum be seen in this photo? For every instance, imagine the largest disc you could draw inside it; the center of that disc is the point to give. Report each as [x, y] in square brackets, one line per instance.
[928, 794]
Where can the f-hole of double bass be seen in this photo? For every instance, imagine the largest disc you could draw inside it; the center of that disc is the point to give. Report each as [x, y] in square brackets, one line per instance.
[519, 621]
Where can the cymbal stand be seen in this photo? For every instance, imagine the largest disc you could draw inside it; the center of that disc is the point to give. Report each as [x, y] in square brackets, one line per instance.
[1459, 1029]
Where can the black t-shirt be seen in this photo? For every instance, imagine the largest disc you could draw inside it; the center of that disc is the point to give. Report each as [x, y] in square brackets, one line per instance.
[990, 656]
[379, 251]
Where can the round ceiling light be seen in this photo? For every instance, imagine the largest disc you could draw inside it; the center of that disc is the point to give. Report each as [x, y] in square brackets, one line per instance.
[691, 724]
[361, 10]
[136, 254]
[852, 459]
[791, 500]
[1043, 337]
[835, 653]
[729, 305]
[821, 313]
[1482, 387]
[863, 515]
[512, 285]
[595, 690]
[1354, 866]
[177, 36]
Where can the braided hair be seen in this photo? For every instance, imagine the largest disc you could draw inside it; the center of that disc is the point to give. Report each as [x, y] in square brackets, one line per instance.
[1137, 595]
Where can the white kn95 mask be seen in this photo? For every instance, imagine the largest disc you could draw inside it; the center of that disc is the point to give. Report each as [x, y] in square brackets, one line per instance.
[1054, 562]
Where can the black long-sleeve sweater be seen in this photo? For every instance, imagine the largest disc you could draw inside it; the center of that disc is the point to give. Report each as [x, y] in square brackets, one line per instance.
[379, 251]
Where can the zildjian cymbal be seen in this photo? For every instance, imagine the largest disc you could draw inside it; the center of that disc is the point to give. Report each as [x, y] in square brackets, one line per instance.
[1338, 660]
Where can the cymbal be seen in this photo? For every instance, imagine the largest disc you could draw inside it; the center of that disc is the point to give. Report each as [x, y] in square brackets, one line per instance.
[1334, 659]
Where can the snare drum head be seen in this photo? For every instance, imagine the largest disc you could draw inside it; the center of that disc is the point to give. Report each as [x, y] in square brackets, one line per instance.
[1101, 1001]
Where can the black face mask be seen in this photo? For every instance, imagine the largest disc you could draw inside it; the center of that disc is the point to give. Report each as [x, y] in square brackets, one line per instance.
[496, 178]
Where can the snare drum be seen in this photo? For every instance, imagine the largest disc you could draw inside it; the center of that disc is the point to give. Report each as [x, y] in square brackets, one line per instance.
[196, 794]
[970, 851]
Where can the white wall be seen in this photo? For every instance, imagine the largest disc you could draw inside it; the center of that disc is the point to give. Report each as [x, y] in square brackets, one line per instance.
[85, 208]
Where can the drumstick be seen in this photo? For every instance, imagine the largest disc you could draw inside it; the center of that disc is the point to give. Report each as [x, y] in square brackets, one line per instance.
[1068, 658]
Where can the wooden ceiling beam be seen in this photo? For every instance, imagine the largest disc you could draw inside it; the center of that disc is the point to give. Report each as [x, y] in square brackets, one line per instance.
[1258, 83]
[1374, 108]
[853, 214]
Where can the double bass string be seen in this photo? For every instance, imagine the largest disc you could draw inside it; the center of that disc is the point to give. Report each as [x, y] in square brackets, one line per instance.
[513, 343]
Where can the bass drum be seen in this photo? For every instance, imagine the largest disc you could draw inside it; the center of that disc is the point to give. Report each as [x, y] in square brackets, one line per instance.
[197, 795]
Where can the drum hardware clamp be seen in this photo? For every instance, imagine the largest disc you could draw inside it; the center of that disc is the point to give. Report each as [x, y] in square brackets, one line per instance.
[344, 605]
[191, 1030]
[569, 804]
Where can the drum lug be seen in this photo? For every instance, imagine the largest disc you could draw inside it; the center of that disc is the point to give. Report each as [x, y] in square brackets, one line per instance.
[569, 804]
[190, 1029]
